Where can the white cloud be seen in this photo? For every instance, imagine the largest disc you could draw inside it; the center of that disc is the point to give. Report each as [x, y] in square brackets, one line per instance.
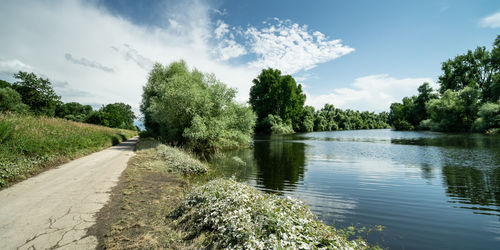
[372, 93]
[44, 38]
[221, 30]
[492, 21]
[291, 47]
[228, 49]
[37, 36]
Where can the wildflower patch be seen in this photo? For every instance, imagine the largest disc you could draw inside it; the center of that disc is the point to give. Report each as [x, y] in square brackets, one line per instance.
[234, 215]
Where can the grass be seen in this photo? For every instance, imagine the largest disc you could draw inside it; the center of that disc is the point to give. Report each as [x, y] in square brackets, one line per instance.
[30, 144]
[157, 205]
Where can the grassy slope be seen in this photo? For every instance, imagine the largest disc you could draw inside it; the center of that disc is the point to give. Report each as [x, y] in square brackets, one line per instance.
[30, 144]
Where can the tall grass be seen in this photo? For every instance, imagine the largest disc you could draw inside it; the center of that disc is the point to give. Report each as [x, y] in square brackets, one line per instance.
[28, 144]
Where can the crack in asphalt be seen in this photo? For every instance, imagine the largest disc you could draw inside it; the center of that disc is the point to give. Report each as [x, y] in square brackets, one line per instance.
[44, 212]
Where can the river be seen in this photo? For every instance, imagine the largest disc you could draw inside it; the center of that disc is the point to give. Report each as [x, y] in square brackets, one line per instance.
[429, 190]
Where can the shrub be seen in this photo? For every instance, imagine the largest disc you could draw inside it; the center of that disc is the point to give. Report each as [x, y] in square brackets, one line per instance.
[10, 100]
[489, 117]
[234, 215]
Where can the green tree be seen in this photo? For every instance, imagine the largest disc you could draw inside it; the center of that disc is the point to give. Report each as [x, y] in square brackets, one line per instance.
[4, 84]
[37, 93]
[401, 114]
[455, 111]
[10, 100]
[425, 94]
[276, 94]
[115, 115]
[194, 109]
[480, 67]
[73, 111]
[118, 115]
[307, 119]
[489, 117]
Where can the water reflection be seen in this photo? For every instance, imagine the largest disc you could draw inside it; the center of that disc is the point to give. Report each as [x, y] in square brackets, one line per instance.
[473, 188]
[280, 163]
[430, 190]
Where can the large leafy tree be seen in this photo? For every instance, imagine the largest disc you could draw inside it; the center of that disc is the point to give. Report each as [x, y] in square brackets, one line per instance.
[425, 94]
[115, 115]
[479, 67]
[275, 94]
[118, 115]
[194, 109]
[37, 93]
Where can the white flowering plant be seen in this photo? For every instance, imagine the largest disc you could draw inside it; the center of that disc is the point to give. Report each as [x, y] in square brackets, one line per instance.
[234, 215]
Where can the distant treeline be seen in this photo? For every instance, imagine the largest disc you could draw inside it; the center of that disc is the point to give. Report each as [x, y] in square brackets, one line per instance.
[34, 95]
[279, 101]
[467, 99]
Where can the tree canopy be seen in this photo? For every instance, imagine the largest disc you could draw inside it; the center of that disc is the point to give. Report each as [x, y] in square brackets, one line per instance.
[468, 93]
[37, 93]
[279, 95]
[194, 109]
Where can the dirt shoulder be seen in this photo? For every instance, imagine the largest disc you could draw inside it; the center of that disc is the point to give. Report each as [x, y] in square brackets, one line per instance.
[136, 214]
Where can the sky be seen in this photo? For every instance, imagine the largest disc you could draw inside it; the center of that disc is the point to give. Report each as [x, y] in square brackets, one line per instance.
[360, 55]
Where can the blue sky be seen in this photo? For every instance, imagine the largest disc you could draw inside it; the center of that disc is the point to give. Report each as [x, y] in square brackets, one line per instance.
[354, 54]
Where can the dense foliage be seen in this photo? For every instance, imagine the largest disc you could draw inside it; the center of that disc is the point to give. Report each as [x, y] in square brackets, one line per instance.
[236, 216]
[330, 118]
[467, 99]
[73, 111]
[11, 101]
[30, 143]
[278, 95]
[35, 95]
[194, 109]
[115, 115]
[279, 104]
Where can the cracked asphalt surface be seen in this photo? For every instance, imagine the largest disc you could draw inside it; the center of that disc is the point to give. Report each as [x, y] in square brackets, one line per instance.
[54, 209]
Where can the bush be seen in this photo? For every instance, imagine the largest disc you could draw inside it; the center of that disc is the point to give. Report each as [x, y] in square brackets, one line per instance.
[179, 161]
[233, 215]
[10, 100]
[489, 117]
[403, 125]
[194, 109]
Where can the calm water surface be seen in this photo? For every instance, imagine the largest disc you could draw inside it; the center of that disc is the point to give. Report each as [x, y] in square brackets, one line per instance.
[430, 190]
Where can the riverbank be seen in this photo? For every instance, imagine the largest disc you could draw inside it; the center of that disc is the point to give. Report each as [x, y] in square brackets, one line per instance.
[157, 205]
[30, 144]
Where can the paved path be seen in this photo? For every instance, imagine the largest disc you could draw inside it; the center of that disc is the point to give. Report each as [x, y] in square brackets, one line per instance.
[55, 209]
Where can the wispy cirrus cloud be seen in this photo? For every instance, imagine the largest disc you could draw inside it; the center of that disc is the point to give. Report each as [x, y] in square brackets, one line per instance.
[87, 63]
[491, 21]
